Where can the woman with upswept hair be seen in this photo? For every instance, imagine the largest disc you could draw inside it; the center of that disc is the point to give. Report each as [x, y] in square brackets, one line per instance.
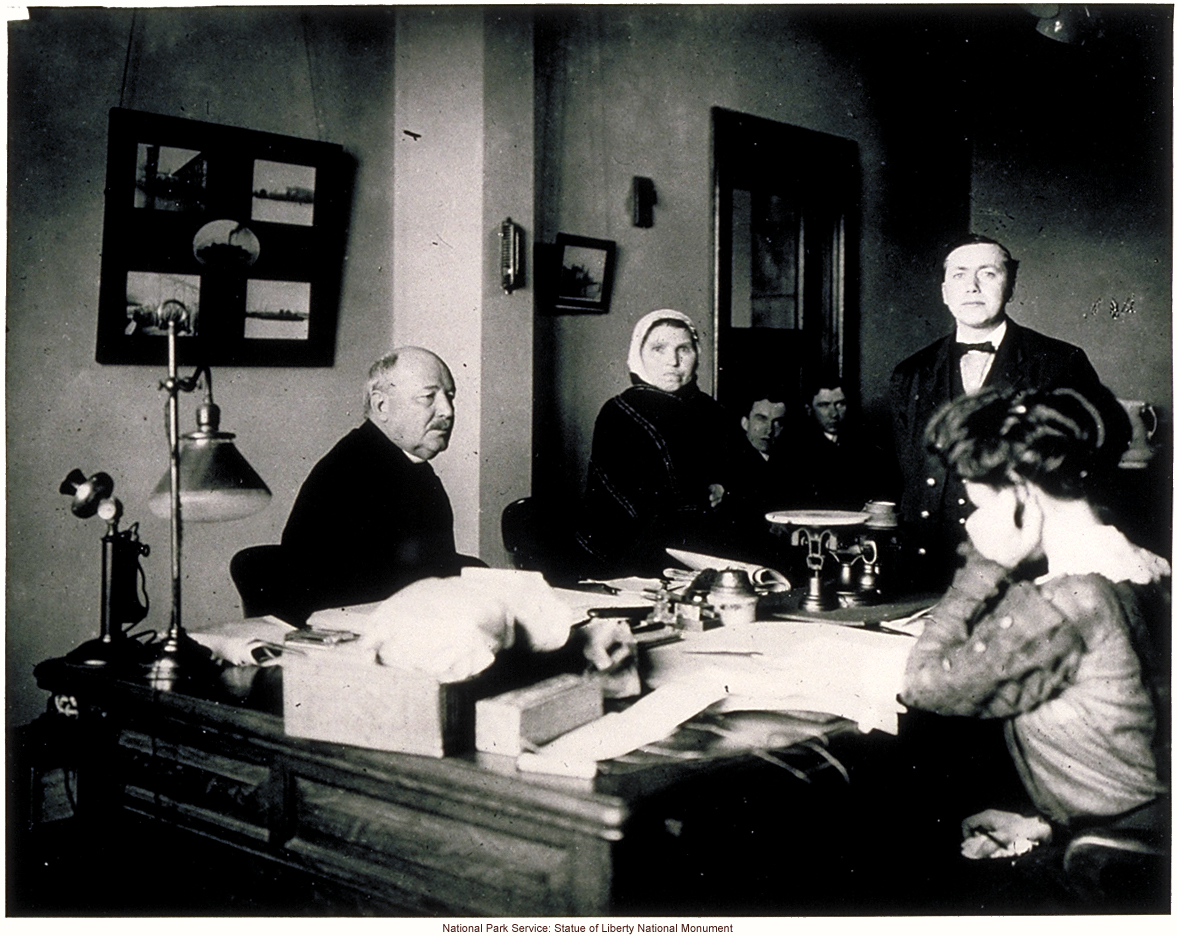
[1056, 623]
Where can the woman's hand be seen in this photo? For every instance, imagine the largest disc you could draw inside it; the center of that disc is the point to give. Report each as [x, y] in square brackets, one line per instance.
[995, 833]
[1006, 527]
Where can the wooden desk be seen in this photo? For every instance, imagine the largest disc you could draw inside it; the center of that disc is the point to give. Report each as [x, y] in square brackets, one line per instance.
[399, 834]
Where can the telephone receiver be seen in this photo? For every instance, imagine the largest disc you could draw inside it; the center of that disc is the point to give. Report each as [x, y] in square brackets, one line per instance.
[511, 255]
[126, 578]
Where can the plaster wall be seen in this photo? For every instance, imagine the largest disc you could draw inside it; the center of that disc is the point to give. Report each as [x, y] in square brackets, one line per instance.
[437, 192]
[1095, 252]
[317, 74]
[629, 92]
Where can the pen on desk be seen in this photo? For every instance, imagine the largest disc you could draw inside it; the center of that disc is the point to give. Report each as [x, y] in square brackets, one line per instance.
[634, 612]
[597, 587]
[880, 628]
[981, 830]
[748, 653]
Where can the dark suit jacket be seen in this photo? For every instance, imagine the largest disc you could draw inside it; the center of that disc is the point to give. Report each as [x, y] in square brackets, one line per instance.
[837, 476]
[367, 521]
[933, 505]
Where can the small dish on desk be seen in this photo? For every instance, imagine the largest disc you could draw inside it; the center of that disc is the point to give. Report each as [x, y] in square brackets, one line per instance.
[817, 518]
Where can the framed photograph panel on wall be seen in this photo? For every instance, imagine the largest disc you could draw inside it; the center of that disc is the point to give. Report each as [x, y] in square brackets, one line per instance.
[582, 274]
[245, 228]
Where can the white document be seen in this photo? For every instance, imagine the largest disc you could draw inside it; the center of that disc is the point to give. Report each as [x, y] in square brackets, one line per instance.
[794, 666]
[631, 594]
[647, 720]
[235, 641]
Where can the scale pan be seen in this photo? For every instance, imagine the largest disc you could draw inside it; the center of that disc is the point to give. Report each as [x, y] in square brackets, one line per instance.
[818, 518]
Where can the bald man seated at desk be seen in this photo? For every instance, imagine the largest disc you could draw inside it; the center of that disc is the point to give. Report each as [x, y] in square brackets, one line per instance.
[372, 517]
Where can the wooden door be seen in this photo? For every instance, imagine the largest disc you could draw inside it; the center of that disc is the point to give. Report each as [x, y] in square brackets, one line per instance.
[786, 202]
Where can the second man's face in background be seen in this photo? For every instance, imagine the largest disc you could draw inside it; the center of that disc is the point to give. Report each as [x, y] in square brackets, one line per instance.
[829, 409]
[763, 424]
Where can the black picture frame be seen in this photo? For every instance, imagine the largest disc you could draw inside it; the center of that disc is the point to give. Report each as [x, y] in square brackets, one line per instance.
[244, 227]
[581, 274]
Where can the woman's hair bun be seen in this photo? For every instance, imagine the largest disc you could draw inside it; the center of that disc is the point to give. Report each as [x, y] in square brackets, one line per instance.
[1059, 439]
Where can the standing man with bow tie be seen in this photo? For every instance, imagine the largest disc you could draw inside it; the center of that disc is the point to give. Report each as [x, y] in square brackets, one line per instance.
[986, 349]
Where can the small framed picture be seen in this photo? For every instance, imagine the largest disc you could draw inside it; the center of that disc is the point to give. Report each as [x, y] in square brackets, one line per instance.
[582, 274]
[243, 228]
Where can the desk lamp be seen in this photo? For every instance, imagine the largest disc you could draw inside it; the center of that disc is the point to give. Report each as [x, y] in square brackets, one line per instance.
[121, 550]
[207, 480]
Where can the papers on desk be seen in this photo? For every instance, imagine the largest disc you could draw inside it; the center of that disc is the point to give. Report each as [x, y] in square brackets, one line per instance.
[760, 575]
[795, 666]
[647, 720]
[626, 593]
[239, 642]
[353, 617]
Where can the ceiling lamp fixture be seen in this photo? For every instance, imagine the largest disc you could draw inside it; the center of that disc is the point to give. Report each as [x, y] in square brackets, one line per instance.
[1069, 23]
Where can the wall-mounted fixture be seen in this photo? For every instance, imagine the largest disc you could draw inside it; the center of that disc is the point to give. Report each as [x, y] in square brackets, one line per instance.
[511, 255]
[644, 200]
[1070, 23]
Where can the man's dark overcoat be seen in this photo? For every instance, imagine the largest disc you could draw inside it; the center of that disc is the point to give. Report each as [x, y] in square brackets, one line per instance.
[367, 521]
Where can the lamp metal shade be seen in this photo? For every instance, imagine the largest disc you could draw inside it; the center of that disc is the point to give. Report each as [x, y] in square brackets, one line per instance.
[216, 482]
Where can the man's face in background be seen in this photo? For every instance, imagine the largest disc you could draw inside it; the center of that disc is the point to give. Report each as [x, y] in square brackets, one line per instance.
[763, 424]
[829, 409]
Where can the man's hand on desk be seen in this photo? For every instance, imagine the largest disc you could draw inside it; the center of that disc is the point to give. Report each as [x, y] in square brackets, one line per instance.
[608, 643]
[609, 647]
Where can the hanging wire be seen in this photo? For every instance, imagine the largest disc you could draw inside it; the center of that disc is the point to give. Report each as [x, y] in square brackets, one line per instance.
[306, 44]
[127, 60]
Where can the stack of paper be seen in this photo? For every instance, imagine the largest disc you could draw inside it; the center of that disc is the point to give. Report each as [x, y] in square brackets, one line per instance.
[786, 666]
[647, 720]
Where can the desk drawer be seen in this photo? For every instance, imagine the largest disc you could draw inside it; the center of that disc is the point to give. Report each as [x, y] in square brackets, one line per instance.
[194, 787]
[434, 863]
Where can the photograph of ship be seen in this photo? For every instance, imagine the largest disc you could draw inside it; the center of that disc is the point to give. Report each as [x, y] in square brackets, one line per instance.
[168, 178]
[277, 309]
[283, 192]
[583, 273]
[226, 245]
[146, 292]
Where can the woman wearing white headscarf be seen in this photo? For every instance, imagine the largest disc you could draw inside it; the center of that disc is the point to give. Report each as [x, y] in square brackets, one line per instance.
[660, 457]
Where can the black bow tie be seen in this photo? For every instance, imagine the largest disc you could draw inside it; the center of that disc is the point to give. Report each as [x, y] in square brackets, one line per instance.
[985, 347]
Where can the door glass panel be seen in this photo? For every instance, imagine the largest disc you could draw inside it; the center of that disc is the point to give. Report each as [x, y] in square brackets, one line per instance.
[786, 198]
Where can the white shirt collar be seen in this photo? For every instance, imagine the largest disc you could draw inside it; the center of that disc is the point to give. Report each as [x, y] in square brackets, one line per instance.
[975, 337]
[1104, 550]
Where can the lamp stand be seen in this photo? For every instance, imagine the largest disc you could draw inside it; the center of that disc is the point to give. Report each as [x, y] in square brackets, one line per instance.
[181, 659]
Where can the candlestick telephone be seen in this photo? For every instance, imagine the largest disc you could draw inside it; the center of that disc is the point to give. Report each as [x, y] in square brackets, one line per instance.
[124, 593]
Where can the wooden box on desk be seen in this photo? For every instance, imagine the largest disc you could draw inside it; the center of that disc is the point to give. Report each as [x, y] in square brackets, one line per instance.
[332, 694]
